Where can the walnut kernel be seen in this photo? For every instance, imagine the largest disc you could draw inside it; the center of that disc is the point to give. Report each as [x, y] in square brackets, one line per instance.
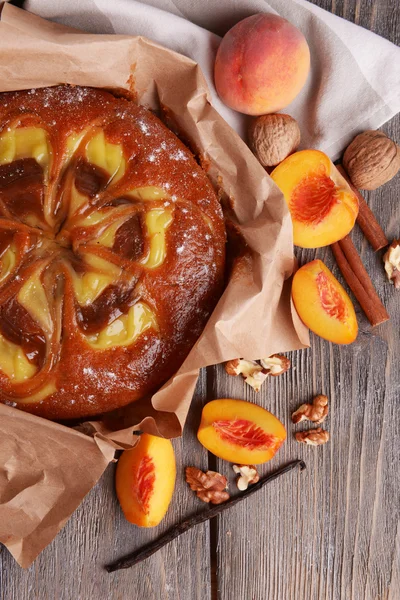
[275, 365]
[246, 475]
[250, 370]
[313, 437]
[392, 263]
[209, 487]
[315, 412]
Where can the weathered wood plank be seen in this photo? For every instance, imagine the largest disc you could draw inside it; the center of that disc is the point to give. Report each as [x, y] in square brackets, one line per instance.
[71, 568]
[329, 532]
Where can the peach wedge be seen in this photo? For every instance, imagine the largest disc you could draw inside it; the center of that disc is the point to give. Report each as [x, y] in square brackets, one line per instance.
[240, 432]
[321, 203]
[323, 305]
[145, 480]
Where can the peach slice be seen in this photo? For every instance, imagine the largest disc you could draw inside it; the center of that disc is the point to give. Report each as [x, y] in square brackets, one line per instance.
[323, 305]
[321, 202]
[145, 480]
[240, 432]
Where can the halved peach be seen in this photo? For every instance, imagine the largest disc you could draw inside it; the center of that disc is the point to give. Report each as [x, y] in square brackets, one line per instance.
[321, 203]
[323, 305]
[240, 432]
[145, 480]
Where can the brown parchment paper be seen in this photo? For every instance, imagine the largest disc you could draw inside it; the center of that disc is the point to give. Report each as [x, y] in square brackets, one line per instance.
[46, 468]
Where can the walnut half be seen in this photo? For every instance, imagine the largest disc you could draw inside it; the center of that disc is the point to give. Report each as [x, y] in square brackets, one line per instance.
[275, 365]
[246, 475]
[250, 370]
[315, 412]
[209, 487]
[392, 263]
[313, 437]
[255, 374]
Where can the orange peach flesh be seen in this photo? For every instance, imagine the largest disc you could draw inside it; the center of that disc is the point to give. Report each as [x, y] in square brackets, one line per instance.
[262, 64]
[322, 205]
[145, 480]
[323, 305]
[240, 432]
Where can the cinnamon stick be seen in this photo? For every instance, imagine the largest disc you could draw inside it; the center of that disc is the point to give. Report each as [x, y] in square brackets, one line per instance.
[138, 555]
[358, 280]
[366, 218]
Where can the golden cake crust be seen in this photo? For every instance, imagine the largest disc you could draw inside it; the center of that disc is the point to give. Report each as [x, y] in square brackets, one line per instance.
[112, 248]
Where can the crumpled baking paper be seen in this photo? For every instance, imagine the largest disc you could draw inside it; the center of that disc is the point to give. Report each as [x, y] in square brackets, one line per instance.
[40, 460]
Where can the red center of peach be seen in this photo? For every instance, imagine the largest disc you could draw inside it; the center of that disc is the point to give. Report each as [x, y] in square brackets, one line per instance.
[145, 479]
[331, 300]
[245, 434]
[313, 198]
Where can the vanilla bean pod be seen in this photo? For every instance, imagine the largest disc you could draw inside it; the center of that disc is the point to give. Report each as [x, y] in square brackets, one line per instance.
[139, 555]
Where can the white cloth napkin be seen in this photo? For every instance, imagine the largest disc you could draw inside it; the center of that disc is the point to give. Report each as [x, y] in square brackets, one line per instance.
[355, 75]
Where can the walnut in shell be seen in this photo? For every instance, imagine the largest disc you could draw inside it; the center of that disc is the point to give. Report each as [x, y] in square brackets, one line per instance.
[273, 137]
[371, 160]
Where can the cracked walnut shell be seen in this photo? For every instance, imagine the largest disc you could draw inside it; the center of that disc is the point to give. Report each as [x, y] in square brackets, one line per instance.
[273, 137]
[371, 160]
[209, 487]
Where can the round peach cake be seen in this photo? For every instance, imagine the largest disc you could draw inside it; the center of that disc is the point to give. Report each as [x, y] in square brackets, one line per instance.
[112, 247]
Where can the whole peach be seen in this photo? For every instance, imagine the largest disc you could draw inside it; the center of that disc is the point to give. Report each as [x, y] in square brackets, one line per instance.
[262, 64]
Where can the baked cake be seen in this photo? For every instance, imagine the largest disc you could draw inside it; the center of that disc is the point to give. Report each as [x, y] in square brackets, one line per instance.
[112, 247]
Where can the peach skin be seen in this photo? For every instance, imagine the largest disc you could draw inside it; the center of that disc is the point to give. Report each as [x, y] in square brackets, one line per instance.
[145, 480]
[240, 432]
[321, 203]
[323, 305]
[261, 65]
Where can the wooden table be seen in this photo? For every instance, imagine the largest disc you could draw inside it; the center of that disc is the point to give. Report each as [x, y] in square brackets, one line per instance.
[331, 532]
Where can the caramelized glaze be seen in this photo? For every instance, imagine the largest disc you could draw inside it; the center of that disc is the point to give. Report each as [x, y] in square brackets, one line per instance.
[112, 249]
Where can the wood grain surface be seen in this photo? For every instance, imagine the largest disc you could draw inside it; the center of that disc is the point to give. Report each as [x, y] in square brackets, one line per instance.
[329, 533]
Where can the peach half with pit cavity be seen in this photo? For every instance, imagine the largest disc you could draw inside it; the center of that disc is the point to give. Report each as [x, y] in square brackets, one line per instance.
[321, 203]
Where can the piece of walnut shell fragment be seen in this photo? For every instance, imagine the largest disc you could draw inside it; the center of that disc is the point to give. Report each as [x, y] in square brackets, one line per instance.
[209, 487]
[392, 263]
[315, 412]
[255, 373]
[246, 475]
[313, 437]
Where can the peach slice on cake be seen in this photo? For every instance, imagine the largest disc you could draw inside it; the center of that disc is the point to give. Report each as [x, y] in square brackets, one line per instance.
[321, 203]
[323, 305]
